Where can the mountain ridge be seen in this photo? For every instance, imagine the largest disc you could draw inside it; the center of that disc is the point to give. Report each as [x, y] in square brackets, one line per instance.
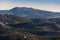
[31, 13]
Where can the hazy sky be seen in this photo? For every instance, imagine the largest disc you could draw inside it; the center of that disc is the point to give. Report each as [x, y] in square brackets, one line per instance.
[50, 5]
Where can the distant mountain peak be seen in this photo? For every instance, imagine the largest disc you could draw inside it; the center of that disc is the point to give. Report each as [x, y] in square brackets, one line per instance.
[21, 8]
[31, 13]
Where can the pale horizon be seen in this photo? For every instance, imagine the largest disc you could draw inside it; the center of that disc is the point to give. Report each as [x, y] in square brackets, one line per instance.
[51, 5]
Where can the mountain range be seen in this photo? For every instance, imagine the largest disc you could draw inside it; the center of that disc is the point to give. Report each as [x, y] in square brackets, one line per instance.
[29, 21]
[31, 13]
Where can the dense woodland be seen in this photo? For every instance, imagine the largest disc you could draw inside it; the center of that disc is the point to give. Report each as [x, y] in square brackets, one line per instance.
[19, 28]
